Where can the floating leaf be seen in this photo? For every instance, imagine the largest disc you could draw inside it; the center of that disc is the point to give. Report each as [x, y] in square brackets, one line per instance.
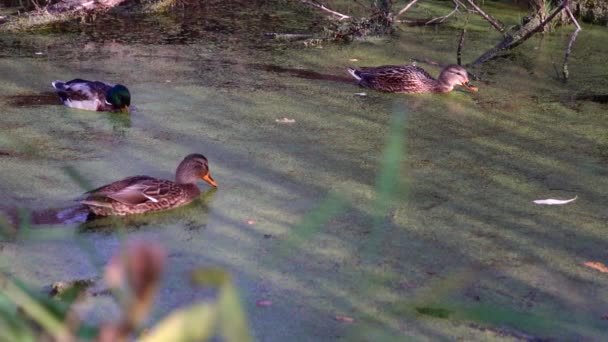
[597, 266]
[552, 201]
[263, 303]
[345, 319]
[285, 120]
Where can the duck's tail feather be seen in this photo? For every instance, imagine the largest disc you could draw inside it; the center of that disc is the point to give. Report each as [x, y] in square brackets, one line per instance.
[59, 85]
[354, 73]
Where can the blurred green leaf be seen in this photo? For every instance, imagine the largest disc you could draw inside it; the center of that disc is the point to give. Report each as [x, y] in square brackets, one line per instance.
[213, 277]
[232, 320]
[194, 323]
[233, 323]
[434, 312]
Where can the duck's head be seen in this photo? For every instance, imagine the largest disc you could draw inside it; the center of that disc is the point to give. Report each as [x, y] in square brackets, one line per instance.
[119, 97]
[454, 75]
[193, 168]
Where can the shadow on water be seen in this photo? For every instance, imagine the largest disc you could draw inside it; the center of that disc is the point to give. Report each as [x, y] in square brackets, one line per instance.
[303, 73]
[32, 100]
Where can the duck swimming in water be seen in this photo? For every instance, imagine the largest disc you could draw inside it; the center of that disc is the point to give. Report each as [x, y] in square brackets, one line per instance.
[140, 194]
[93, 95]
[411, 79]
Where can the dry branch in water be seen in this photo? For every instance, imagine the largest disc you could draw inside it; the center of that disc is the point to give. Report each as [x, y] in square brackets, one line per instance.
[498, 26]
[441, 19]
[407, 7]
[572, 39]
[322, 7]
[517, 38]
[460, 44]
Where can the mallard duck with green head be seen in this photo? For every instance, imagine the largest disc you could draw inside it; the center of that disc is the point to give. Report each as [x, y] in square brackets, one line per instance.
[93, 95]
[411, 79]
[141, 194]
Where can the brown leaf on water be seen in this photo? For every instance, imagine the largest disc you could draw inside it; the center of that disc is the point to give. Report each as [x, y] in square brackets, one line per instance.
[345, 319]
[263, 303]
[597, 266]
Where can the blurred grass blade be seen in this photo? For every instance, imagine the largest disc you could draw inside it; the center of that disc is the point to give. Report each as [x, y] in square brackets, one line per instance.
[388, 183]
[34, 309]
[313, 222]
[194, 323]
[77, 178]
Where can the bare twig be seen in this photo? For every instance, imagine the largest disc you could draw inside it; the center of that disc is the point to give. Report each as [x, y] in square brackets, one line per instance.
[407, 7]
[322, 7]
[572, 39]
[442, 18]
[497, 25]
[459, 3]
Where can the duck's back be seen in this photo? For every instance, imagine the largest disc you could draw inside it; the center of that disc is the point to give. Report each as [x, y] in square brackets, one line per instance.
[395, 78]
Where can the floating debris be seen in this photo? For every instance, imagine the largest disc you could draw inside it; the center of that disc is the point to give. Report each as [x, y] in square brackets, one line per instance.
[345, 319]
[353, 60]
[360, 94]
[285, 120]
[597, 266]
[262, 303]
[552, 201]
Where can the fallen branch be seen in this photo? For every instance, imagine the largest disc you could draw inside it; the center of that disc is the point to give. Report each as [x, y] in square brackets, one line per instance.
[288, 36]
[460, 43]
[513, 40]
[407, 7]
[498, 26]
[440, 20]
[572, 39]
[322, 7]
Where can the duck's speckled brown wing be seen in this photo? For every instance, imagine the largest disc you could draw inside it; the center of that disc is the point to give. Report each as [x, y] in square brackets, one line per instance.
[395, 78]
[138, 194]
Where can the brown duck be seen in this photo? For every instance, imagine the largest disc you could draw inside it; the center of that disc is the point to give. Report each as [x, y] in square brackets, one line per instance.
[411, 79]
[140, 194]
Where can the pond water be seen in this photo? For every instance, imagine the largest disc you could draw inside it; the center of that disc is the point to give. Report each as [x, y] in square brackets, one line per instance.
[456, 228]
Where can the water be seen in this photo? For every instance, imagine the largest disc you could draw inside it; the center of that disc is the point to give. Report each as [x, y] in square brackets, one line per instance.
[462, 217]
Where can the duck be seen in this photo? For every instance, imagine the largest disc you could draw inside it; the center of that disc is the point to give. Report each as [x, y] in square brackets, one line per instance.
[93, 95]
[142, 194]
[411, 79]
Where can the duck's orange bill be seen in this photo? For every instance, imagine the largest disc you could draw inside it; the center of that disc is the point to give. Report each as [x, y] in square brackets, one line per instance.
[207, 178]
[470, 87]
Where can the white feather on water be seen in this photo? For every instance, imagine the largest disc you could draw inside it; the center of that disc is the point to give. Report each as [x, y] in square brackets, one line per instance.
[553, 201]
